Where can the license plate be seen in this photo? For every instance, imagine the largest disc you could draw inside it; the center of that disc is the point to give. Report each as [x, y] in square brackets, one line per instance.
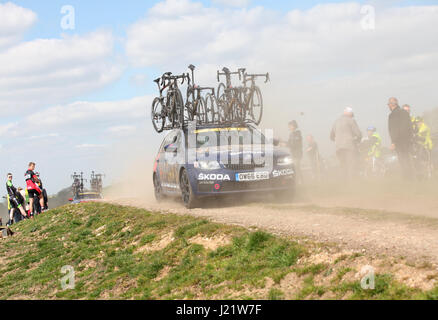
[252, 176]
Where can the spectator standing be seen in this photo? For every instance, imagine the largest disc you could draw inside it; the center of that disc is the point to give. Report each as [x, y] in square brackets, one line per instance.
[295, 144]
[347, 136]
[402, 135]
[313, 155]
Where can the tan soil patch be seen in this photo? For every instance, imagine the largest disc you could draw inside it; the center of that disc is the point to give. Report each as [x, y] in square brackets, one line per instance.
[163, 273]
[99, 231]
[157, 245]
[211, 243]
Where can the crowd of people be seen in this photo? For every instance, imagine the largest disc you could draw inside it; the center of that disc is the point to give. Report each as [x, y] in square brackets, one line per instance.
[410, 140]
[28, 202]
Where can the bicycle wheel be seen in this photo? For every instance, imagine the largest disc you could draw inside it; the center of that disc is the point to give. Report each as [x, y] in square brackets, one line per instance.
[179, 108]
[189, 108]
[157, 115]
[200, 113]
[211, 108]
[255, 105]
[220, 90]
[222, 109]
[237, 107]
[175, 107]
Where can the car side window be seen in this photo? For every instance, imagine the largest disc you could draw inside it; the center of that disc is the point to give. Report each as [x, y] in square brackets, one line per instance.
[166, 141]
[172, 139]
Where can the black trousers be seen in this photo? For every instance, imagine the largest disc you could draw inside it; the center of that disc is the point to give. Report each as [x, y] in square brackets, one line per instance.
[405, 160]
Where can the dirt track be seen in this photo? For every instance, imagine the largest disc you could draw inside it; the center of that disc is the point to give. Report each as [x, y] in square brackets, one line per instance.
[403, 223]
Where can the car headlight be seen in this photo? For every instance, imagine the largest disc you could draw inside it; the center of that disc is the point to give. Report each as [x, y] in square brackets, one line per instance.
[207, 165]
[284, 161]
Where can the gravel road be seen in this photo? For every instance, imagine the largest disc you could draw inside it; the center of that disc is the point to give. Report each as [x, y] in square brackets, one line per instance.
[395, 222]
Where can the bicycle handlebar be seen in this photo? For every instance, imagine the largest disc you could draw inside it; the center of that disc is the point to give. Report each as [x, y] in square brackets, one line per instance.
[256, 75]
[227, 72]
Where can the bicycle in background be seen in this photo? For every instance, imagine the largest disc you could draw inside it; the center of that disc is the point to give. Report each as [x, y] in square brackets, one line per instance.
[168, 111]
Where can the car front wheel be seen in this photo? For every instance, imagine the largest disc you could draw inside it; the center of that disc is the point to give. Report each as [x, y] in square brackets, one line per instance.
[189, 199]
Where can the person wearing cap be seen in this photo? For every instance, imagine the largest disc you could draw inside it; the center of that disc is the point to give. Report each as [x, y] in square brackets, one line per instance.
[347, 136]
[402, 136]
[295, 144]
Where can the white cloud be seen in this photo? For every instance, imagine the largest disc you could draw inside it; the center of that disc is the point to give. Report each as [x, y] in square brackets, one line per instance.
[47, 71]
[85, 113]
[233, 3]
[90, 146]
[82, 118]
[14, 21]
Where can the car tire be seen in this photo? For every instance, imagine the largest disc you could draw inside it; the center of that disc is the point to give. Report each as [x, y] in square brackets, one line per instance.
[158, 190]
[188, 197]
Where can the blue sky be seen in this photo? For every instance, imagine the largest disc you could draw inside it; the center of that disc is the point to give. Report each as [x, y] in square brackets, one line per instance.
[322, 60]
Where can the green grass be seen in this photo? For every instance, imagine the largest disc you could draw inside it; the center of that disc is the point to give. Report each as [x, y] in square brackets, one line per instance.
[106, 246]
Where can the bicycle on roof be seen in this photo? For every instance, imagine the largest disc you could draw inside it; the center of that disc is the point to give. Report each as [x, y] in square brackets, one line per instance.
[168, 110]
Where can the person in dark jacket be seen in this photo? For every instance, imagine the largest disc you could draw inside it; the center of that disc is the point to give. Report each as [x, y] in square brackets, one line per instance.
[295, 145]
[402, 135]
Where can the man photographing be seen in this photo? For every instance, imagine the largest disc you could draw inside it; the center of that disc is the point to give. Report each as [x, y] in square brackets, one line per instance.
[32, 187]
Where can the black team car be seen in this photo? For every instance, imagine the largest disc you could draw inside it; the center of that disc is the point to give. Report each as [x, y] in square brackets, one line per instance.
[214, 160]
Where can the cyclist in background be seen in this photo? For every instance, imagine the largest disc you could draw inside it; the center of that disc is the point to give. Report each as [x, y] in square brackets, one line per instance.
[25, 196]
[40, 185]
[374, 149]
[35, 193]
[407, 108]
[375, 143]
[13, 200]
[423, 134]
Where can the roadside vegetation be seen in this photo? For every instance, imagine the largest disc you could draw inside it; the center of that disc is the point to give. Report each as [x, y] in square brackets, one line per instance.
[127, 253]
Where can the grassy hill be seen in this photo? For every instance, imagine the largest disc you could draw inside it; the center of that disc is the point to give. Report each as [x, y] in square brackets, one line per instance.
[126, 253]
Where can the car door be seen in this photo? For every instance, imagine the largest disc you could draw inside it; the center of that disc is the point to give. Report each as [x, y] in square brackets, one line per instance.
[169, 162]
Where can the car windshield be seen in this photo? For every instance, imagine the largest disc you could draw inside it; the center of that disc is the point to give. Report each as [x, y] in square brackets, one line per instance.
[215, 137]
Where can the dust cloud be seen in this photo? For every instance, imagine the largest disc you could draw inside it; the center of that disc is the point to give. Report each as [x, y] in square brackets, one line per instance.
[131, 163]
